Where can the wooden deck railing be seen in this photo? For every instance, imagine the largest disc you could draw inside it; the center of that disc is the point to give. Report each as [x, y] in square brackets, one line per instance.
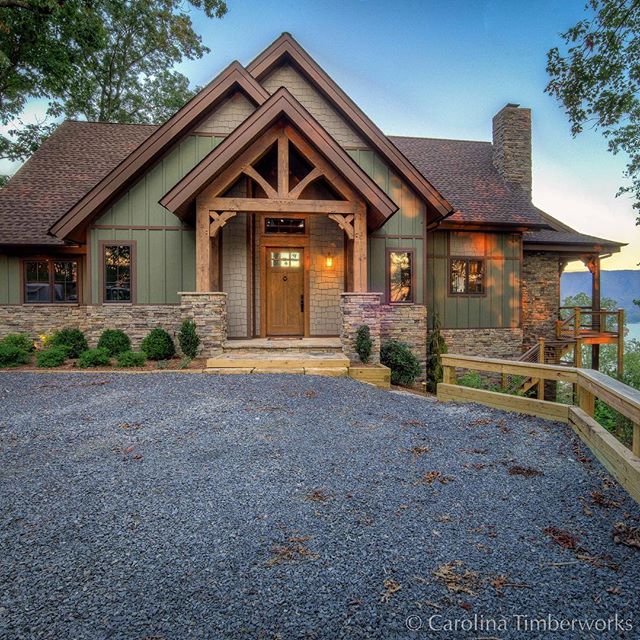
[622, 463]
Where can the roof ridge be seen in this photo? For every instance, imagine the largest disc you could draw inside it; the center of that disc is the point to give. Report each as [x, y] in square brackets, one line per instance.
[123, 124]
[393, 135]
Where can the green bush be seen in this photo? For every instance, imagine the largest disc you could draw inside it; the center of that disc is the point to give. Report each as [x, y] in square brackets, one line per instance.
[19, 340]
[158, 345]
[114, 341]
[364, 344]
[404, 366]
[188, 339]
[94, 358]
[12, 356]
[436, 346]
[72, 339]
[51, 357]
[131, 359]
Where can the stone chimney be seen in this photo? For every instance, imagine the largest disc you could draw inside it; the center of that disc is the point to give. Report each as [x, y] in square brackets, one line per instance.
[512, 145]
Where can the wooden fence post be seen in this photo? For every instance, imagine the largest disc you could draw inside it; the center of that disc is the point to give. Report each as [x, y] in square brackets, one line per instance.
[541, 361]
[620, 342]
[586, 400]
[635, 446]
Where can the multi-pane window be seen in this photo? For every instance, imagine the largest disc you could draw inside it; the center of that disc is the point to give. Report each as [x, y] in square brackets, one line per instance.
[400, 267]
[117, 273]
[466, 276]
[289, 259]
[50, 281]
[284, 225]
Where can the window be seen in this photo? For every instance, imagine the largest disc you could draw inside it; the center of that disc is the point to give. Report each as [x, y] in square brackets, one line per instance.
[50, 281]
[289, 259]
[118, 261]
[284, 225]
[400, 270]
[466, 276]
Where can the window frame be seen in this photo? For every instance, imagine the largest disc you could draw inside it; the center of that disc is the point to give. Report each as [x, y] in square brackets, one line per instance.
[50, 260]
[103, 267]
[412, 252]
[467, 293]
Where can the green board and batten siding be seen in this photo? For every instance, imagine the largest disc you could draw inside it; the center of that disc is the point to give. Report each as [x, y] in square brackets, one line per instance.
[165, 248]
[406, 227]
[9, 280]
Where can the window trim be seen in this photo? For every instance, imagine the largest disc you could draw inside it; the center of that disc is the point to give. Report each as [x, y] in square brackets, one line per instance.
[102, 268]
[387, 273]
[50, 260]
[466, 294]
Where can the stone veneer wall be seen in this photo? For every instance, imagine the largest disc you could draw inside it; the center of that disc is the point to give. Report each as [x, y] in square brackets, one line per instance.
[406, 323]
[358, 309]
[540, 295]
[208, 310]
[325, 285]
[489, 343]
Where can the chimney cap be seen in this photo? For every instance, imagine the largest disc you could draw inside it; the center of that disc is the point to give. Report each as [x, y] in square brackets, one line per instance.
[513, 105]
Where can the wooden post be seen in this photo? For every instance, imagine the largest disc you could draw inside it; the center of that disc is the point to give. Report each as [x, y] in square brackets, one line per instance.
[635, 446]
[586, 401]
[204, 252]
[620, 342]
[577, 356]
[283, 165]
[577, 321]
[541, 361]
[594, 266]
[360, 250]
[448, 375]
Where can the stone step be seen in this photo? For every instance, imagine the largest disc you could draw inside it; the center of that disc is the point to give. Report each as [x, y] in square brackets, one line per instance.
[259, 346]
[280, 361]
[332, 372]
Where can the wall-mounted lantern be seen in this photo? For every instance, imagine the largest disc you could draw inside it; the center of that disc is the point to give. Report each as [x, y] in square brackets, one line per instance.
[328, 263]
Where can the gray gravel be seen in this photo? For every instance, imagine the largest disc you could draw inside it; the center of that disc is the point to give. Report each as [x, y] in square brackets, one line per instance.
[176, 506]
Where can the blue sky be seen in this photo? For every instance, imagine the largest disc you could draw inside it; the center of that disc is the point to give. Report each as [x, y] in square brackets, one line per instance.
[442, 69]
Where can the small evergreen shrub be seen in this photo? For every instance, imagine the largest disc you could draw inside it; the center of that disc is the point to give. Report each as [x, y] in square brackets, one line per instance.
[94, 358]
[436, 346]
[12, 356]
[404, 366]
[51, 357]
[158, 345]
[131, 359]
[72, 339]
[19, 340]
[188, 339]
[364, 343]
[114, 341]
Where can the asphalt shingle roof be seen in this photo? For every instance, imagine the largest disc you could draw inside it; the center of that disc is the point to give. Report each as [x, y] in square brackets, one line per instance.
[71, 161]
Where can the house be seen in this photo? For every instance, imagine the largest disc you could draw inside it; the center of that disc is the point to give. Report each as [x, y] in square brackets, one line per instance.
[270, 205]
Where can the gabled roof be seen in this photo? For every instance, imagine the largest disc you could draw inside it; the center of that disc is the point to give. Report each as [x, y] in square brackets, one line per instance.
[75, 157]
[285, 48]
[232, 79]
[280, 105]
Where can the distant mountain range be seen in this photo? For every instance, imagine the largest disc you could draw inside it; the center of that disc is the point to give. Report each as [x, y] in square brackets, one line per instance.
[623, 286]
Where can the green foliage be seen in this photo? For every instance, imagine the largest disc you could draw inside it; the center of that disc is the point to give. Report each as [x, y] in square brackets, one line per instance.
[114, 341]
[94, 358]
[20, 340]
[12, 356]
[364, 344]
[131, 359]
[596, 79]
[188, 338]
[185, 362]
[405, 367]
[436, 346]
[51, 357]
[72, 339]
[158, 345]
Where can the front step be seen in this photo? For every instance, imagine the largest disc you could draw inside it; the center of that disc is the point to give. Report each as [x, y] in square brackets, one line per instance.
[280, 361]
[297, 346]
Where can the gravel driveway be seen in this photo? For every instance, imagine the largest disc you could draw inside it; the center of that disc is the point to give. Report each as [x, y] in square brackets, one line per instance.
[173, 506]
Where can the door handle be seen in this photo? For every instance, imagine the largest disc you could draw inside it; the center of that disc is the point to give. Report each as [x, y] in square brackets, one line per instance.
[302, 302]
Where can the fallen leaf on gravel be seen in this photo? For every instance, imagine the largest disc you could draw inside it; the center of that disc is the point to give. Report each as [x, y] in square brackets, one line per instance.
[500, 582]
[598, 561]
[132, 425]
[527, 472]
[137, 457]
[461, 581]
[627, 535]
[432, 476]
[565, 539]
[598, 498]
[318, 495]
[413, 423]
[467, 606]
[390, 587]
[293, 551]
[614, 590]
[419, 450]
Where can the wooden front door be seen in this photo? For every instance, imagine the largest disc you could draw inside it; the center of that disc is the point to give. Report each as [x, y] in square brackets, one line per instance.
[285, 291]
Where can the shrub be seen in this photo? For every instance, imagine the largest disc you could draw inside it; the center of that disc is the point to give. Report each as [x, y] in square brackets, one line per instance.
[12, 356]
[364, 344]
[131, 359]
[158, 345]
[114, 341]
[404, 366]
[436, 346]
[94, 358]
[19, 340]
[188, 339]
[72, 339]
[51, 357]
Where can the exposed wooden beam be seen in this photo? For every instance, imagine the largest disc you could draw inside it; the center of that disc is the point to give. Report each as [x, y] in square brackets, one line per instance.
[283, 165]
[313, 175]
[360, 249]
[218, 220]
[203, 249]
[344, 222]
[254, 175]
[282, 205]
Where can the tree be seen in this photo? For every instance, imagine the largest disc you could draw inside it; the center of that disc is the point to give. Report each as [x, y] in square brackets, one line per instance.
[436, 347]
[105, 60]
[597, 80]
